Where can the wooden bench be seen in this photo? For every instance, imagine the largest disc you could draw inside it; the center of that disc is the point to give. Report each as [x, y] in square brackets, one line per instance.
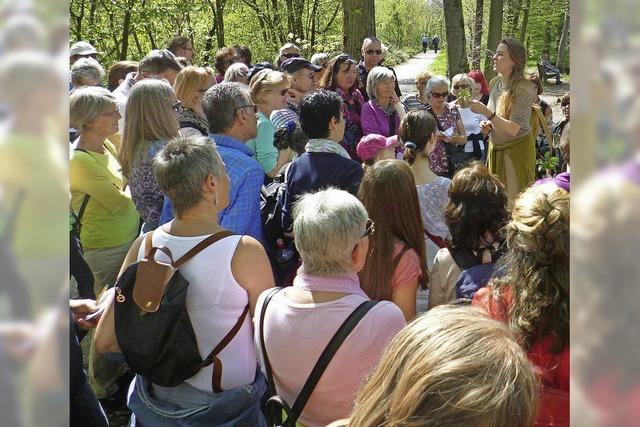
[544, 75]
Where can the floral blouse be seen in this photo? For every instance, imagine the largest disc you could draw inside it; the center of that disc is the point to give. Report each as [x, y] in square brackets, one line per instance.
[351, 108]
[438, 160]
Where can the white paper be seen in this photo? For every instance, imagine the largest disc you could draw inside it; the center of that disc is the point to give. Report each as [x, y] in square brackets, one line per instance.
[449, 132]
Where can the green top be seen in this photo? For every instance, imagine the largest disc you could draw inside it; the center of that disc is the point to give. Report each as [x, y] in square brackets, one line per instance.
[262, 146]
[110, 217]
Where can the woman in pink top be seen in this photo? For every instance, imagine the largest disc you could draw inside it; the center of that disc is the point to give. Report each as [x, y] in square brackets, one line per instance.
[332, 236]
[397, 260]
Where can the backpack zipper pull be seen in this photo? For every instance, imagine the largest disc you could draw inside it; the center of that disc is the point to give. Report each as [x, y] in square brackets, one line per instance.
[120, 298]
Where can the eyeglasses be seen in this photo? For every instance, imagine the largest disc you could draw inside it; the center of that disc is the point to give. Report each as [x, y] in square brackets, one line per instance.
[252, 106]
[177, 107]
[291, 55]
[373, 51]
[439, 94]
[310, 75]
[370, 227]
[457, 87]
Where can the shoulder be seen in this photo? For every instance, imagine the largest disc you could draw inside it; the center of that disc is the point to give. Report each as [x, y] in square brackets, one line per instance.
[526, 88]
[248, 250]
[443, 256]
[385, 316]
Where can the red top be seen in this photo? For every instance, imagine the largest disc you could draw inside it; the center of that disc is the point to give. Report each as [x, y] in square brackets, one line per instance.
[553, 368]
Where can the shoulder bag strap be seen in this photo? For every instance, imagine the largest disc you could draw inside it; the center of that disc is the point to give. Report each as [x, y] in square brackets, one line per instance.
[439, 241]
[271, 386]
[321, 365]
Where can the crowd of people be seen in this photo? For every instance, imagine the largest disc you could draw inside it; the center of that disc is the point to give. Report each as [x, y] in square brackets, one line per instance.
[379, 198]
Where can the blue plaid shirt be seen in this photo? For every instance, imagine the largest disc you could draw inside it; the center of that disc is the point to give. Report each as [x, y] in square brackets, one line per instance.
[246, 176]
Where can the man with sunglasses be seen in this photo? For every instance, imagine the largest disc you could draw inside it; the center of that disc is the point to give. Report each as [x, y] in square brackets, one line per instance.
[301, 73]
[372, 57]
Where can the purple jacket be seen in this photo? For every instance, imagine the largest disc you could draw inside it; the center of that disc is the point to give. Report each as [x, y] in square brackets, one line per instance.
[374, 120]
[561, 180]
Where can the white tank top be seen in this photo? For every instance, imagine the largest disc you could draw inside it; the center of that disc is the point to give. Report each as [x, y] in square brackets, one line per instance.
[215, 301]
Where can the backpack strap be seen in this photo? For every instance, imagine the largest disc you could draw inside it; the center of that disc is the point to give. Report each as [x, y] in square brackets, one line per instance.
[398, 257]
[200, 246]
[439, 241]
[216, 377]
[325, 358]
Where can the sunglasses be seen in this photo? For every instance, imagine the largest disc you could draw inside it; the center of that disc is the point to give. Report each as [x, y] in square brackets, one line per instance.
[177, 107]
[252, 106]
[457, 87]
[372, 51]
[291, 55]
[439, 95]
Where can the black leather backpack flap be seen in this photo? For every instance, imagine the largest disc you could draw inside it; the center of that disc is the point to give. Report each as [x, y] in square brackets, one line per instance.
[160, 345]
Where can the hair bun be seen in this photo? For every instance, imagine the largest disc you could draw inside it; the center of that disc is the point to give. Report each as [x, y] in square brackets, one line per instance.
[410, 145]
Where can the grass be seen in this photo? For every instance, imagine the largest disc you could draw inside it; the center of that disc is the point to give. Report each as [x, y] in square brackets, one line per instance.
[439, 65]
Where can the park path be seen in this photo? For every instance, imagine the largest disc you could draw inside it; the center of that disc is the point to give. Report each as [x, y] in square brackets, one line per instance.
[407, 71]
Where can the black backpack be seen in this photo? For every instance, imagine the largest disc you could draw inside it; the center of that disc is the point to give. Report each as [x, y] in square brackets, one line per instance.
[271, 204]
[474, 274]
[152, 325]
[275, 405]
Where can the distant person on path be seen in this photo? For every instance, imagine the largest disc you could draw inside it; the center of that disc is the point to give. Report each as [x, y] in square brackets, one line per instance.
[372, 57]
[425, 43]
[549, 67]
[435, 42]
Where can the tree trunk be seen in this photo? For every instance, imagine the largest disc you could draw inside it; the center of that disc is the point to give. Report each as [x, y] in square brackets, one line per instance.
[126, 27]
[476, 53]
[525, 20]
[563, 40]
[219, 21]
[515, 17]
[546, 46]
[359, 22]
[456, 44]
[494, 35]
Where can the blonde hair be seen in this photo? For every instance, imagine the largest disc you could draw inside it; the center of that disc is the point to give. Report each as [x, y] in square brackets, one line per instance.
[148, 117]
[189, 80]
[517, 79]
[537, 261]
[266, 80]
[87, 103]
[452, 366]
[462, 78]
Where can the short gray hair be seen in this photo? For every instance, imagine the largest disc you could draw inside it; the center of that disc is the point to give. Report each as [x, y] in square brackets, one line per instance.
[221, 102]
[437, 81]
[375, 77]
[87, 103]
[85, 69]
[327, 225]
[235, 71]
[181, 167]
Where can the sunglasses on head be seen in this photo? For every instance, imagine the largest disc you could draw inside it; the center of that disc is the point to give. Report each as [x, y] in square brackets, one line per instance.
[439, 94]
[372, 51]
[291, 55]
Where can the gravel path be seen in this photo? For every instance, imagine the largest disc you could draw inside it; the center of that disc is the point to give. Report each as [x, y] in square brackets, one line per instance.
[407, 71]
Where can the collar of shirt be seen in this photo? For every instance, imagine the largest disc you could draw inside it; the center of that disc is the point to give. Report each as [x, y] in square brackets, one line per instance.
[347, 283]
[227, 141]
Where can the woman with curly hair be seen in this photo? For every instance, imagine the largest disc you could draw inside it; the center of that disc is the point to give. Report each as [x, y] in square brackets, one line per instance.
[475, 214]
[532, 294]
[396, 264]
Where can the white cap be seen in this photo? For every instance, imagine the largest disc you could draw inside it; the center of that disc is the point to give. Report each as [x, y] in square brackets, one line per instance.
[82, 48]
